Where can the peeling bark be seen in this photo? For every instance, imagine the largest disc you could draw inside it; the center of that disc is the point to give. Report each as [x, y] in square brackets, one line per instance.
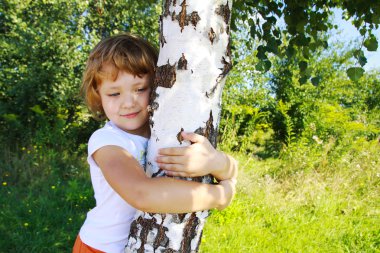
[208, 131]
[165, 76]
[225, 12]
[184, 18]
[182, 63]
[194, 18]
[211, 35]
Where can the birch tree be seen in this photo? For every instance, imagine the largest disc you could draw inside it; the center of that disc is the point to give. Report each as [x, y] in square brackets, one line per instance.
[193, 62]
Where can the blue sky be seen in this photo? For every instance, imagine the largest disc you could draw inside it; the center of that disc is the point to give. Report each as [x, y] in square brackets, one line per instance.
[349, 33]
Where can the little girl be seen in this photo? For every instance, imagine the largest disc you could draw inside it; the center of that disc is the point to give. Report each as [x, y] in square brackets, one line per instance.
[117, 86]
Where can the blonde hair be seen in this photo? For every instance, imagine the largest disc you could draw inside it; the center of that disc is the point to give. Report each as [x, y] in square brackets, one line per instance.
[124, 52]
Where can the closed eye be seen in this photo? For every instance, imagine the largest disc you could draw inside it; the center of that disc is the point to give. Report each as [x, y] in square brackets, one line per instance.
[114, 94]
[142, 89]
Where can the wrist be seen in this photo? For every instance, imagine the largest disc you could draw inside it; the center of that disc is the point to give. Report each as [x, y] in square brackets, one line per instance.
[222, 171]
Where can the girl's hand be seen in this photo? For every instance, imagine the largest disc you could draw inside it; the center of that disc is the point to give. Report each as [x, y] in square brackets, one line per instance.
[198, 159]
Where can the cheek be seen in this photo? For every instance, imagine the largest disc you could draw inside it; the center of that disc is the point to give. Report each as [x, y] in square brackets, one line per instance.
[109, 104]
[145, 100]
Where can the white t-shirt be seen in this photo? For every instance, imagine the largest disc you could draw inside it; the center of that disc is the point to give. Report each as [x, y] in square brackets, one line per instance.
[106, 227]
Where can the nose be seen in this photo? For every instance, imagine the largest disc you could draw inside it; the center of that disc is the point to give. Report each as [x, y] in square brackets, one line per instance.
[129, 101]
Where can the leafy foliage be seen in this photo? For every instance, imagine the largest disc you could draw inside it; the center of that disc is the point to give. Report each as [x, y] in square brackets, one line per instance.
[305, 22]
[44, 45]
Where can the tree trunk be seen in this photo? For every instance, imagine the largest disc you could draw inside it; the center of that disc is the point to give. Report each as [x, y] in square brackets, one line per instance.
[193, 61]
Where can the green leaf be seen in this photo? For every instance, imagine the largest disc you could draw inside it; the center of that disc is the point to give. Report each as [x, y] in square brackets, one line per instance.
[263, 66]
[10, 117]
[359, 55]
[37, 109]
[371, 43]
[354, 73]
[290, 51]
[362, 60]
[302, 65]
[303, 79]
[253, 31]
[261, 52]
[272, 45]
[316, 80]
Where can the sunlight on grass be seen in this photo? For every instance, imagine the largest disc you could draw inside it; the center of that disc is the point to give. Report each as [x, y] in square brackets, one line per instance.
[331, 210]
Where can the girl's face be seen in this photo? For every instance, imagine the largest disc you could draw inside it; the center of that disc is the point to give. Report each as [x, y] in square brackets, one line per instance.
[125, 102]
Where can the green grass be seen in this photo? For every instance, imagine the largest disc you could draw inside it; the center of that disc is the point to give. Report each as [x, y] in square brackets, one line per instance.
[43, 201]
[325, 203]
[322, 198]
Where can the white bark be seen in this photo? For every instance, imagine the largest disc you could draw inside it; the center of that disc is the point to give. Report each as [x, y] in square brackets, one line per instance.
[193, 62]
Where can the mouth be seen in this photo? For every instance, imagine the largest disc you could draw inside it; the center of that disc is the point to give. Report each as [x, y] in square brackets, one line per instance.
[130, 115]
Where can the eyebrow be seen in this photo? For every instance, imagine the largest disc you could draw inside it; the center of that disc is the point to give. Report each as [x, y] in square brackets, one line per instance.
[113, 88]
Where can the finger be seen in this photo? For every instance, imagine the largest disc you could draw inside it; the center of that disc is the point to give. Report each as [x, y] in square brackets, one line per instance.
[174, 151]
[170, 159]
[192, 137]
[171, 167]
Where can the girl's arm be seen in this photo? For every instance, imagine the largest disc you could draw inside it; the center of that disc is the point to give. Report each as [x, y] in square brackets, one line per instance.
[198, 159]
[161, 195]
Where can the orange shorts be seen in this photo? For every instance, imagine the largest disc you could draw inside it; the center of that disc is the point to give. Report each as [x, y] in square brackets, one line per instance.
[80, 247]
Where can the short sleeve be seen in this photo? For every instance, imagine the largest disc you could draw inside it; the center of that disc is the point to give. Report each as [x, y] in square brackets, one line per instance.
[104, 137]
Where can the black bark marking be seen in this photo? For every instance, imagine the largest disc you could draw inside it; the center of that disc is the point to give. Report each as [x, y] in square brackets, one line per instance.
[181, 217]
[199, 241]
[182, 63]
[161, 238]
[159, 173]
[165, 76]
[211, 35]
[166, 7]
[228, 49]
[134, 229]
[152, 107]
[173, 16]
[212, 91]
[179, 136]
[189, 233]
[174, 3]
[169, 251]
[227, 66]
[146, 224]
[194, 18]
[151, 122]
[208, 131]
[198, 179]
[225, 12]
[162, 37]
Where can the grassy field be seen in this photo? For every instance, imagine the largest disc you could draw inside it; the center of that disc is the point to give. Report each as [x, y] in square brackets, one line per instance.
[324, 198]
